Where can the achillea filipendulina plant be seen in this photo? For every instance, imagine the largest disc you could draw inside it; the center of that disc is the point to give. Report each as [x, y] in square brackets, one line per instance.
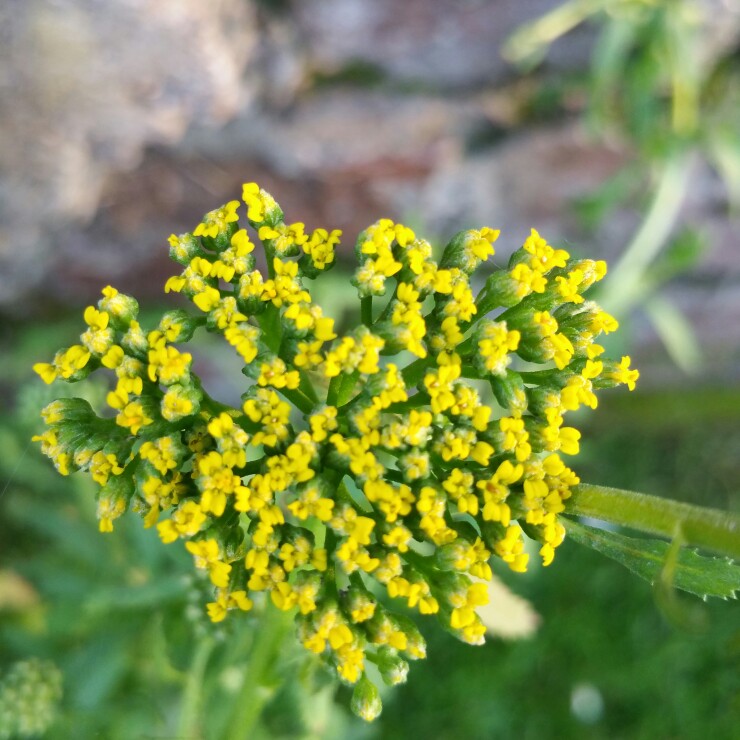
[361, 468]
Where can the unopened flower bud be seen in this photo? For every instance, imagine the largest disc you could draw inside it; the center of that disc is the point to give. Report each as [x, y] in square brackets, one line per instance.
[467, 249]
[510, 391]
[393, 668]
[366, 702]
[178, 326]
[122, 308]
[184, 247]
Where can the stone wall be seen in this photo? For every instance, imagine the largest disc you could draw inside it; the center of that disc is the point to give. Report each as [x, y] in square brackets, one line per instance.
[125, 120]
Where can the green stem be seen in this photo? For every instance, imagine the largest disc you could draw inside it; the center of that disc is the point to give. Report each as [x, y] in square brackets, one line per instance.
[270, 258]
[252, 696]
[189, 724]
[699, 527]
[486, 302]
[388, 307]
[366, 311]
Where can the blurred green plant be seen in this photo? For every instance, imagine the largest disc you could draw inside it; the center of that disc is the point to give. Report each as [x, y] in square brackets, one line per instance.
[665, 82]
[30, 691]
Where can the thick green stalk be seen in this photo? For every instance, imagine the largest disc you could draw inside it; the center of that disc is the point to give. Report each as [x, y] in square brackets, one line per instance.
[697, 526]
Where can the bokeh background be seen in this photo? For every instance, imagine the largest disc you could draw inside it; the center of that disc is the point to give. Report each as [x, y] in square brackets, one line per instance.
[613, 127]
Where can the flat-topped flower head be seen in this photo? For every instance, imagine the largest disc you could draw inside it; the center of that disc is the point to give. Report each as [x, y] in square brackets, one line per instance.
[392, 462]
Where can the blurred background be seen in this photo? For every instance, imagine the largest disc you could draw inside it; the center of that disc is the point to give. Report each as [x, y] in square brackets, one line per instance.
[611, 126]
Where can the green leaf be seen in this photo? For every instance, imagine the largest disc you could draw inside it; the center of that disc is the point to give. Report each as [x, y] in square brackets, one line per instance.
[697, 574]
[272, 329]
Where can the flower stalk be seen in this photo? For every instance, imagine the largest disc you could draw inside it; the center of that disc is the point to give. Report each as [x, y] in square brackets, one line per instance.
[709, 529]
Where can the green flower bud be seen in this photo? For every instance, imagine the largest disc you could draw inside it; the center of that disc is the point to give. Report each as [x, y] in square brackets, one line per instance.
[74, 364]
[510, 391]
[359, 604]
[135, 342]
[448, 557]
[248, 296]
[540, 435]
[113, 499]
[416, 646]
[121, 308]
[68, 411]
[394, 336]
[492, 532]
[262, 208]
[467, 249]
[517, 257]
[501, 291]
[366, 702]
[222, 240]
[544, 397]
[184, 247]
[415, 465]
[494, 342]
[617, 373]
[178, 325]
[282, 240]
[393, 668]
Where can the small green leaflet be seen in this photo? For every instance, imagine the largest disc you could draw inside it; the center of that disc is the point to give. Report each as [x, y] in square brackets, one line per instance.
[697, 574]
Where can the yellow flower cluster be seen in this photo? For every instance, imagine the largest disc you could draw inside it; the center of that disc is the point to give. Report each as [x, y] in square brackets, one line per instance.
[345, 480]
